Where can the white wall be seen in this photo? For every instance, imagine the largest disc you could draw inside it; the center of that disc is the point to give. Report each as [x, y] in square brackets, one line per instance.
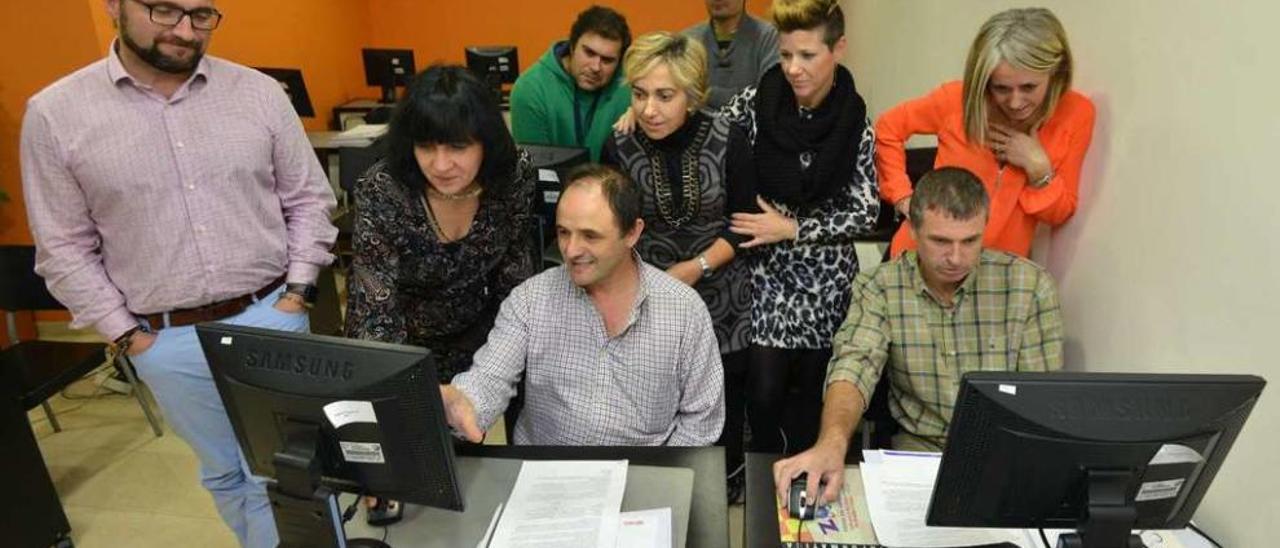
[1171, 262]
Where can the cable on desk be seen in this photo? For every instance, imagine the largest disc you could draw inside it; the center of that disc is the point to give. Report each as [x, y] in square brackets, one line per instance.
[350, 512]
[1044, 538]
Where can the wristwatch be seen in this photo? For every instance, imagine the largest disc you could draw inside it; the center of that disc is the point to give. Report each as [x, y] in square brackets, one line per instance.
[706, 266]
[308, 292]
[123, 342]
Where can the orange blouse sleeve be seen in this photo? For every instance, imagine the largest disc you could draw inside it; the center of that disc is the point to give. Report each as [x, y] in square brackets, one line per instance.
[1055, 202]
[923, 115]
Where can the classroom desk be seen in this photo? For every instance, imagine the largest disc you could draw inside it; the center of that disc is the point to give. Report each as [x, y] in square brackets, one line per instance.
[709, 514]
[761, 522]
[486, 483]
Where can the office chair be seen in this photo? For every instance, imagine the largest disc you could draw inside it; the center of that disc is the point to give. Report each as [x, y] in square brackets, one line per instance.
[919, 162]
[878, 425]
[352, 163]
[326, 315]
[43, 368]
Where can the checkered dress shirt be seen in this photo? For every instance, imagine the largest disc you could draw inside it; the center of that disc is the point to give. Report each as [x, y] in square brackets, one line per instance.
[658, 382]
[1005, 317]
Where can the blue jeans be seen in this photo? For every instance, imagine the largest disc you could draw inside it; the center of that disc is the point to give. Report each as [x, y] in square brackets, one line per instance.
[178, 375]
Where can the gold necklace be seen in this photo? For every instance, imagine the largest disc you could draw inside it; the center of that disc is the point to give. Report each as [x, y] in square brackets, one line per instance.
[463, 195]
[435, 225]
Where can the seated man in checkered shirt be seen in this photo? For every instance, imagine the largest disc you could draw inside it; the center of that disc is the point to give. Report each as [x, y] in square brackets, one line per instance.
[613, 351]
[931, 315]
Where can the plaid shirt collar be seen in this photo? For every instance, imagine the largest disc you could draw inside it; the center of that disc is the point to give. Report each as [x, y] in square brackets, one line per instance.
[911, 262]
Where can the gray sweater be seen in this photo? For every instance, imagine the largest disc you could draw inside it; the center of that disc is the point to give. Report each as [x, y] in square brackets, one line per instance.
[754, 49]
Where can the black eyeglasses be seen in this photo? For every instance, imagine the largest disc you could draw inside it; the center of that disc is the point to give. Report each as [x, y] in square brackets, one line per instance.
[170, 15]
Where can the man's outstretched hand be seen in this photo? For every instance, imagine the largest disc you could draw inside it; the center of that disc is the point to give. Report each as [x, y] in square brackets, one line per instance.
[460, 414]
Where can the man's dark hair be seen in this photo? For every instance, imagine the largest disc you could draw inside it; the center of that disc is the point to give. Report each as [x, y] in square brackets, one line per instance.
[624, 195]
[604, 21]
[953, 190]
[449, 105]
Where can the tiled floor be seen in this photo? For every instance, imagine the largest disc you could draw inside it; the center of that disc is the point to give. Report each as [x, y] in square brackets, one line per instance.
[122, 486]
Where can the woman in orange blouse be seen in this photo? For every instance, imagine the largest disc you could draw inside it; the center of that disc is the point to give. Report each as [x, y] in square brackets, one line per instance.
[1013, 121]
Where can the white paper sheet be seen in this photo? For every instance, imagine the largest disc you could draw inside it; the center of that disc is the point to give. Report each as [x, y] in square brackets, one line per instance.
[548, 176]
[645, 529]
[563, 503]
[898, 486]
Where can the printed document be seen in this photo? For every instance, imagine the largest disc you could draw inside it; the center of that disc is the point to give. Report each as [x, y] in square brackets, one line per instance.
[563, 503]
[899, 485]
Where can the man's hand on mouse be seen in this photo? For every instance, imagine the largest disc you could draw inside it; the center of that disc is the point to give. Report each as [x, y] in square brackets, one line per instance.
[822, 462]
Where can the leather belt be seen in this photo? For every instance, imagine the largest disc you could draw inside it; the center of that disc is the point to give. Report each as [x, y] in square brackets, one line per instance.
[209, 312]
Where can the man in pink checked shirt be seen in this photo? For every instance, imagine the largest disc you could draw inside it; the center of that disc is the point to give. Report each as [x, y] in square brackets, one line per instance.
[166, 188]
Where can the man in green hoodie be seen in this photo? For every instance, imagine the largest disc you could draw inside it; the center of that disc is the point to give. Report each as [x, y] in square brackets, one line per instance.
[574, 93]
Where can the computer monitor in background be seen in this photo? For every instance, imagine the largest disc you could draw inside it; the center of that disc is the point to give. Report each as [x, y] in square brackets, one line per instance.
[388, 68]
[317, 414]
[294, 87]
[550, 165]
[496, 65]
[1101, 453]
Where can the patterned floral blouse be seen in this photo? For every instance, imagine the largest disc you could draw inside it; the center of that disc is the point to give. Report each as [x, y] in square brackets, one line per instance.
[408, 287]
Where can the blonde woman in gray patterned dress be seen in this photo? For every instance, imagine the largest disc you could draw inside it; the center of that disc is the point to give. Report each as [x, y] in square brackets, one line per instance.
[695, 170]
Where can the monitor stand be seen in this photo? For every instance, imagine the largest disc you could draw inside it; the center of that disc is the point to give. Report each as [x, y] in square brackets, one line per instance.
[388, 95]
[1110, 519]
[306, 512]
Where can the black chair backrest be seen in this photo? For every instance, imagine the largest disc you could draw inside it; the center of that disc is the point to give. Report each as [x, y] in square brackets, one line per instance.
[326, 315]
[919, 162]
[354, 161]
[20, 287]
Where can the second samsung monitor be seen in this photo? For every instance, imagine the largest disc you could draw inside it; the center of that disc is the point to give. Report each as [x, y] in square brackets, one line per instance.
[496, 65]
[388, 69]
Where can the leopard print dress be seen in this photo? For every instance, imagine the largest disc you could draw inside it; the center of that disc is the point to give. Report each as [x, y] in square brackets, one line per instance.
[801, 288]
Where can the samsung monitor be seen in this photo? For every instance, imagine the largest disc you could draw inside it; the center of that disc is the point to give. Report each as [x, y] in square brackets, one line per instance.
[497, 66]
[551, 164]
[1101, 453]
[291, 81]
[388, 69]
[316, 415]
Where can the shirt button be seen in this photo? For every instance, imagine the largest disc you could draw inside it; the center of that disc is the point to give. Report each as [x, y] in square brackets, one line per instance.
[191, 187]
[200, 229]
[180, 145]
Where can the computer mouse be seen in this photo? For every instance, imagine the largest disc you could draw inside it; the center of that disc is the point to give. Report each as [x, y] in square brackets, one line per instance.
[800, 503]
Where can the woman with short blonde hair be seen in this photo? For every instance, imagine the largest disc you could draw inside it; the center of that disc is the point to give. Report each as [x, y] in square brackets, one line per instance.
[695, 171]
[812, 144]
[685, 58]
[1014, 121]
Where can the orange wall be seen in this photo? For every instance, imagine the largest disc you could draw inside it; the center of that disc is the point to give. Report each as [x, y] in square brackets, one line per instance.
[38, 46]
[22, 31]
[25, 30]
[438, 31]
[321, 37]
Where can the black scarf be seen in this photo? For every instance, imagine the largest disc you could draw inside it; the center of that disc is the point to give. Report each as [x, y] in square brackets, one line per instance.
[833, 135]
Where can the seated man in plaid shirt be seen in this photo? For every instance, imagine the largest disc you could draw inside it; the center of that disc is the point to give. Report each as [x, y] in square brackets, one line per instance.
[613, 350]
[931, 315]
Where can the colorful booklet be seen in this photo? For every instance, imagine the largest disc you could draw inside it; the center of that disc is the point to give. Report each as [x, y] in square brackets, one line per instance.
[844, 523]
